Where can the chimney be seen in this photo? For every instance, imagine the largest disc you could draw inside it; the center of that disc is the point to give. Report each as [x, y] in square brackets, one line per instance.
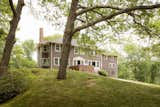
[40, 34]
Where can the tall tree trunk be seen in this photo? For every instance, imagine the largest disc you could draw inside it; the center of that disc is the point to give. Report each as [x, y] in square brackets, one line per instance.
[67, 38]
[10, 40]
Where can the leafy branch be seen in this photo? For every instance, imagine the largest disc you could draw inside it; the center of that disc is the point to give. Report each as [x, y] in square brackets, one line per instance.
[108, 17]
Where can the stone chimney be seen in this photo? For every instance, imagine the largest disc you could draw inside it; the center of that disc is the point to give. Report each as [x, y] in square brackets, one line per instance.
[40, 34]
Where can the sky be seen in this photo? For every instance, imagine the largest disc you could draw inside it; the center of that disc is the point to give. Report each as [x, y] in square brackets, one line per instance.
[29, 26]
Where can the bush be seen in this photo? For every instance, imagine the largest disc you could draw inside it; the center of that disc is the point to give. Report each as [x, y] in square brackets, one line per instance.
[11, 84]
[103, 73]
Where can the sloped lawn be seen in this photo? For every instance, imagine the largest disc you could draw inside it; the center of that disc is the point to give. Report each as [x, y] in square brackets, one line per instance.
[86, 90]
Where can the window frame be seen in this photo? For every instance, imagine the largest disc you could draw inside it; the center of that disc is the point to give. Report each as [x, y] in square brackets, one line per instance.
[112, 65]
[58, 61]
[75, 50]
[58, 50]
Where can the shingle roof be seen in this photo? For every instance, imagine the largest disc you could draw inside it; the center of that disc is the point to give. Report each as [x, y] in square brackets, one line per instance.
[60, 41]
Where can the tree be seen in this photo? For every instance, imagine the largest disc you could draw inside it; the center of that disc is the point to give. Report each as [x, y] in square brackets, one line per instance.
[5, 15]
[2, 37]
[28, 47]
[21, 56]
[10, 40]
[97, 14]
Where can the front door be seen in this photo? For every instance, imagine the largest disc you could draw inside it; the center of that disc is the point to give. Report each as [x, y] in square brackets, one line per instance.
[78, 62]
[93, 63]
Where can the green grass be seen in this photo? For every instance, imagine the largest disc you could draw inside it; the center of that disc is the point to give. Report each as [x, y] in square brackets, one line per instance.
[86, 90]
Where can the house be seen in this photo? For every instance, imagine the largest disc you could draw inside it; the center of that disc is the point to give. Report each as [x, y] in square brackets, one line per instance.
[49, 53]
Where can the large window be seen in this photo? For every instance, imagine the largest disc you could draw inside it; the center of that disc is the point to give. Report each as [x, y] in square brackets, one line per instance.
[98, 64]
[57, 47]
[78, 62]
[44, 62]
[45, 48]
[94, 63]
[76, 50]
[56, 61]
[45, 55]
[112, 65]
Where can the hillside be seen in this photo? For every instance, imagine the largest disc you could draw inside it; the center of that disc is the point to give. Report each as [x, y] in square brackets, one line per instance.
[86, 90]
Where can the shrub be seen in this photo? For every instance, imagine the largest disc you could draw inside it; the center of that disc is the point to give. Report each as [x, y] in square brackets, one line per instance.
[11, 84]
[103, 73]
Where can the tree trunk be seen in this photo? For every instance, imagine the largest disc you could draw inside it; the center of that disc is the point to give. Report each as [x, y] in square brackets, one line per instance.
[10, 40]
[67, 38]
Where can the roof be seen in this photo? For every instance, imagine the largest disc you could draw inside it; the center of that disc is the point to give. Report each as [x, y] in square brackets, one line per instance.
[60, 41]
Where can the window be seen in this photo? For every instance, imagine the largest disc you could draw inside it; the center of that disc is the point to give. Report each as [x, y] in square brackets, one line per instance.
[45, 55]
[45, 48]
[76, 50]
[45, 62]
[86, 62]
[57, 47]
[94, 63]
[74, 62]
[56, 61]
[98, 64]
[112, 65]
[90, 62]
[78, 62]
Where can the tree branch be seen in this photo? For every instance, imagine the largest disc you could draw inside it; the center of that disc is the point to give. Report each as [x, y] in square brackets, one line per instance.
[112, 15]
[145, 28]
[96, 7]
[12, 8]
[80, 20]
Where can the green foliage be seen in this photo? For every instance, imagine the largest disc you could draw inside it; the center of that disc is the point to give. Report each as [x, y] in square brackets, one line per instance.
[155, 48]
[53, 37]
[29, 47]
[5, 14]
[155, 70]
[12, 84]
[103, 73]
[17, 81]
[138, 64]
[22, 55]
[124, 71]
[141, 70]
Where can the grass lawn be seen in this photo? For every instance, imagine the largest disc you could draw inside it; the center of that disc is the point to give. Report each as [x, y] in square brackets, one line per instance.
[86, 90]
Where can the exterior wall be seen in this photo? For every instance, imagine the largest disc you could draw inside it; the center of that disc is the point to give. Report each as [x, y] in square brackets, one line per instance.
[72, 56]
[108, 63]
